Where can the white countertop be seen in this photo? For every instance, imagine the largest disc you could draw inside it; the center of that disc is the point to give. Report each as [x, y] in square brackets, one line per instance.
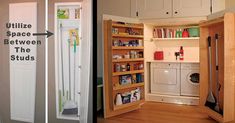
[176, 61]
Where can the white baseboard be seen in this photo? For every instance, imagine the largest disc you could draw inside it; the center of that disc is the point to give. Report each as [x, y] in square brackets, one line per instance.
[172, 99]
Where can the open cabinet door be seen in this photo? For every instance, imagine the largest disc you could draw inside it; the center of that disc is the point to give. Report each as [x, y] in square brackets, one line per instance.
[224, 97]
[123, 65]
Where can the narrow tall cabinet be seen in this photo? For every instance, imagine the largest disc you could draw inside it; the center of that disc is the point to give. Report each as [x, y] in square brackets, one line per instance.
[68, 53]
[123, 67]
[225, 28]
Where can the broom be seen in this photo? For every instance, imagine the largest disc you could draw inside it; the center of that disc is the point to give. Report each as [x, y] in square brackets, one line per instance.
[210, 101]
[217, 108]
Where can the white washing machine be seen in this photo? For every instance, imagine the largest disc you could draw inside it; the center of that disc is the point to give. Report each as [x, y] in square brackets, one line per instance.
[189, 79]
[165, 78]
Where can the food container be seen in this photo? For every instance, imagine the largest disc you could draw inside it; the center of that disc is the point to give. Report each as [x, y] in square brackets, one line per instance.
[193, 32]
[158, 55]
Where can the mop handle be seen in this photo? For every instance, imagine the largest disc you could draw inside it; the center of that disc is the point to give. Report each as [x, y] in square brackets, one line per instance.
[62, 61]
[210, 64]
[216, 52]
[74, 44]
[217, 65]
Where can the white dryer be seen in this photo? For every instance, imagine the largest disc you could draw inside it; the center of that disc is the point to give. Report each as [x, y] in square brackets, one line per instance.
[189, 79]
[165, 78]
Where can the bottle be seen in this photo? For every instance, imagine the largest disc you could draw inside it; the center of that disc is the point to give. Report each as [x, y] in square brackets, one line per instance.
[185, 33]
[180, 33]
[181, 53]
[128, 67]
[118, 99]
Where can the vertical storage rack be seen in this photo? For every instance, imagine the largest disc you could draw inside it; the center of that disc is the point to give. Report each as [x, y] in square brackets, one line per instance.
[123, 67]
[68, 60]
[225, 28]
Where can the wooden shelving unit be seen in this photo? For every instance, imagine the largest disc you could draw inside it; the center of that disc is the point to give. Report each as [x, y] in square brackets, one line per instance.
[119, 71]
[224, 27]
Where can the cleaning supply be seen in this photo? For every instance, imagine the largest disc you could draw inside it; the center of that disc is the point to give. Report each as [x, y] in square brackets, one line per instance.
[128, 67]
[70, 106]
[181, 53]
[210, 101]
[185, 33]
[158, 55]
[118, 99]
[133, 98]
[217, 108]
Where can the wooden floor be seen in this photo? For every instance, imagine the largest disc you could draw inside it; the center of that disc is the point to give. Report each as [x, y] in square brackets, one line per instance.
[152, 112]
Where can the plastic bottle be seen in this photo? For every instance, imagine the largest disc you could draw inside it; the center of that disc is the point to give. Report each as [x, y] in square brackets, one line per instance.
[185, 33]
[181, 53]
[118, 99]
[128, 67]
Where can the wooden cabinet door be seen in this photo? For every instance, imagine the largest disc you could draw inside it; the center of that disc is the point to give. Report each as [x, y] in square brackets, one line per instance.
[154, 9]
[190, 8]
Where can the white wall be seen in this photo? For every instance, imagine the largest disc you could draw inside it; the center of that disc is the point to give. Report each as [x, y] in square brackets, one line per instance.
[111, 7]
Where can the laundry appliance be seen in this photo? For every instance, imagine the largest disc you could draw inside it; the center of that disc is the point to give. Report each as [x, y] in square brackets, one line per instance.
[189, 79]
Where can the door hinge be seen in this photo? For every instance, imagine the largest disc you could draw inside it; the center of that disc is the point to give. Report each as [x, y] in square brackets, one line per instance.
[137, 14]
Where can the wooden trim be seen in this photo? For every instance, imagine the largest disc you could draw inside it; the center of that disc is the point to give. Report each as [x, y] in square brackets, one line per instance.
[128, 60]
[127, 26]
[229, 66]
[127, 72]
[203, 86]
[127, 36]
[120, 87]
[211, 22]
[213, 114]
[107, 79]
[128, 105]
[127, 48]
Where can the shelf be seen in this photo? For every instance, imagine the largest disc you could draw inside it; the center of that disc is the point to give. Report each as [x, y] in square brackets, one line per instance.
[127, 48]
[128, 105]
[161, 39]
[127, 72]
[68, 19]
[121, 87]
[127, 36]
[127, 26]
[128, 60]
[213, 114]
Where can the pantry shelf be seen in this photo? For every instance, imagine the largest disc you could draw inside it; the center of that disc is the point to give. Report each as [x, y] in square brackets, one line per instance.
[127, 26]
[121, 87]
[127, 36]
[68, 19]
[127, 72]
[128, 60]
[128, 105]
[123, 50]
[127, 48]
[161, 39]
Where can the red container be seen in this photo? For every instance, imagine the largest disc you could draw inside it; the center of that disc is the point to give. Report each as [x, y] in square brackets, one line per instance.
[158, 55]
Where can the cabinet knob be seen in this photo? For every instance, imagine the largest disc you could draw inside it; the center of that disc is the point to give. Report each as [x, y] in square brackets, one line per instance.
[176, 12]
[167, 13]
